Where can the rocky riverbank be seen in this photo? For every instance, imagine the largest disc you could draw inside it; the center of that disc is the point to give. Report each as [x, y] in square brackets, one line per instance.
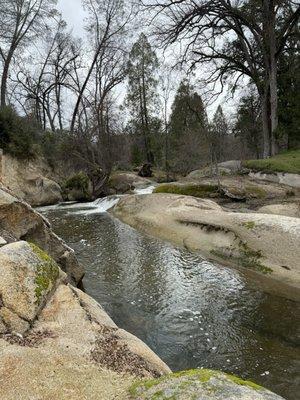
[266, 246]
[56, 342]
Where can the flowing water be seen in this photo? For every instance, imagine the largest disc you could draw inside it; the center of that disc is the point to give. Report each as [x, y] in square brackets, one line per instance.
[191, 312]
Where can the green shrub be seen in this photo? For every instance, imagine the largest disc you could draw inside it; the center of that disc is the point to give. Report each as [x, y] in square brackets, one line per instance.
[18, 136]
[78, 181]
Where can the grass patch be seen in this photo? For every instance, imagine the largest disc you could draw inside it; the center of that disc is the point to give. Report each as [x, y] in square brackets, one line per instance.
[188, 190]
[288, 162]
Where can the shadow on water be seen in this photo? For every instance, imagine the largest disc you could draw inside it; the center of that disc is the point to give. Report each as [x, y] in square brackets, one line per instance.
[191, 312]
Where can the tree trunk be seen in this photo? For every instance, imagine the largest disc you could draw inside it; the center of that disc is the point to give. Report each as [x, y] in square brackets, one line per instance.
[273, 81]
[266, 123]
[5, 78]
[271, 95]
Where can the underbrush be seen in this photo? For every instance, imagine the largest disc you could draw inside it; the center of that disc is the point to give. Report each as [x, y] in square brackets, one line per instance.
[18, 135]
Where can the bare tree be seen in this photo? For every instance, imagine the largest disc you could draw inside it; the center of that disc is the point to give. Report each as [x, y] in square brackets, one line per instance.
[40, 80]
[106, 25]
[237, 38]
[20, 22]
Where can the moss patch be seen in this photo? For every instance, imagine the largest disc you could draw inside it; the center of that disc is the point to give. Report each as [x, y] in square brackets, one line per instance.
[246, 257]
[249, 224]
[288, 162]
[47, 273]
[255, 192]
[240, 381]
[187, 383]
[188, 190]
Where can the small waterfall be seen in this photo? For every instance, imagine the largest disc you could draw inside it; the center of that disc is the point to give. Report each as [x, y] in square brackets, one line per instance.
[101, 205]
[146, 190]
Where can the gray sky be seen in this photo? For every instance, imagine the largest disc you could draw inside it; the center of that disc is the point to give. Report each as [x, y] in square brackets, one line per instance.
[73, 14]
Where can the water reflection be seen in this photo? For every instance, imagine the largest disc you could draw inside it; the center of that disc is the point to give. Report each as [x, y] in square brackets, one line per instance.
[189, 311]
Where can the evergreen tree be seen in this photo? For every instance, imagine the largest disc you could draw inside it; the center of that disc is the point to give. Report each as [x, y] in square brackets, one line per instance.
[219, 132]
[188, 124]
[289, 94]
[248, 126]
[142, 93]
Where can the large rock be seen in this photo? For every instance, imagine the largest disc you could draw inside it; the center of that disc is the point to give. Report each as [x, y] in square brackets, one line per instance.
[30, 180]
[267, 246]
[239, 187]
[28, 275]
[203, 385]
[287, 209]
[18, 221]
[232, 165]
[68, 347]
[224, 168]
[123, 182]
[292, 180]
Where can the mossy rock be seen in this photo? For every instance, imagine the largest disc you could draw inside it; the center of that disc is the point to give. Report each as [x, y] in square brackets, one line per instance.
[47, 272]
[255, 192]
[200, 384]
[200, 191]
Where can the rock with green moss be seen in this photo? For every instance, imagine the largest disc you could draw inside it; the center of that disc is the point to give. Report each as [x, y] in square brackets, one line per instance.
[201, 384]
[21, 222]
[28, 275]
[195, 190]
[47, 272]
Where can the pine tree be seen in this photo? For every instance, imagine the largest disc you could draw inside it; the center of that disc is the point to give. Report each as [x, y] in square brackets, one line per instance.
[142, 92]
[219, 134]
[188, 124]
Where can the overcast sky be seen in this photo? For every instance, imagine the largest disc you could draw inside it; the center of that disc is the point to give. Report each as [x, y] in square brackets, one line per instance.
[73, 13]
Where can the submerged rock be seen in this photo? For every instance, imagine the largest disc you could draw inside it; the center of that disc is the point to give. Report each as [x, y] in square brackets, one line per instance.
[200, 384]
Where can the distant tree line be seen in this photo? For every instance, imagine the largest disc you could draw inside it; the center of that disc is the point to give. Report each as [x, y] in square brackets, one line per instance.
[60, 95]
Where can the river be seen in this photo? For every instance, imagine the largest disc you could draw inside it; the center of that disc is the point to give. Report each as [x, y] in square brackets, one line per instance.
[191, 312]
